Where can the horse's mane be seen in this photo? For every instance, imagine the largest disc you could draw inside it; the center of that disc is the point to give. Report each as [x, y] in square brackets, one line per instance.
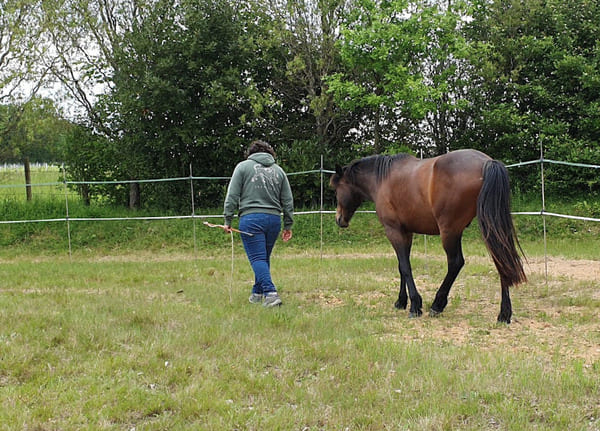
[378, 165]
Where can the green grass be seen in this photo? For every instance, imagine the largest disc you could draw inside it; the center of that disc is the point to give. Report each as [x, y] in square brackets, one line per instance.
[156, 342]
[146, 327]
[567, 238]
[43, 179]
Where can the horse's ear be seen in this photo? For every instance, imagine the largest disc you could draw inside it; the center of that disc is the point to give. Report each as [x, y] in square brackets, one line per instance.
[339, 171]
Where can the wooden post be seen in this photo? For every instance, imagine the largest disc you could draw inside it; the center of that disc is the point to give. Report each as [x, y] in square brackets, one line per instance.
[134, 196]
[27, 178]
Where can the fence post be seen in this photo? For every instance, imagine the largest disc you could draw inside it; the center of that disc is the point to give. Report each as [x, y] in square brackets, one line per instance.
[544, 211]
[28, 179]
[193, 208]
[67, 211]
[321, 208]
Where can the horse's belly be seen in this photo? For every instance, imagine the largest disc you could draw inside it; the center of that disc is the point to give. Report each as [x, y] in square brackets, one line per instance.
[424, 227]
[410, 221]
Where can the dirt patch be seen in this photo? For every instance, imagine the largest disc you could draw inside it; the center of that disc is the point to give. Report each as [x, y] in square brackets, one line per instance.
[559, 267]
[555, 321]
[545, 333]
[578, 269]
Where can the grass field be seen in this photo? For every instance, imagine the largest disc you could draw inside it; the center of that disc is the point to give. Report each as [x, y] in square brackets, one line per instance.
[157, 342]
[143, 329]
[45, 179]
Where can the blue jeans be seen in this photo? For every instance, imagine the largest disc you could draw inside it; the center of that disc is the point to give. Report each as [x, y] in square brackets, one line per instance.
[265, 229]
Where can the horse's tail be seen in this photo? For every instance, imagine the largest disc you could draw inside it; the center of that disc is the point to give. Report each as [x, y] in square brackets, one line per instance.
[496, 225]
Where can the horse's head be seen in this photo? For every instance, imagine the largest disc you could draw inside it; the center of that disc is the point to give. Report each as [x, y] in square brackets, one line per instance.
[348, 196]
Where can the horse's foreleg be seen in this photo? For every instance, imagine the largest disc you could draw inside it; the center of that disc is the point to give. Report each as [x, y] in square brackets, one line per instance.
[416, 302]
[456, 260]
[402, 242]
[402, 300]
[505, 305]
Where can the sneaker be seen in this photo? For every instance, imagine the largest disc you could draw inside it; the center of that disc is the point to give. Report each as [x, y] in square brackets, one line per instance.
[272, 300]
[255, 298]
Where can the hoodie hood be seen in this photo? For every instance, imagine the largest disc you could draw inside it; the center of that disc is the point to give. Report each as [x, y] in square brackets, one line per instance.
[264, 159]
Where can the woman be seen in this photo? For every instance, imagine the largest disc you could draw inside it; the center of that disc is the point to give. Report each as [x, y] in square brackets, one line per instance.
[259, 191]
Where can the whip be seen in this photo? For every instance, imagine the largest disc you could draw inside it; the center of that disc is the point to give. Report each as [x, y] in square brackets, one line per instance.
[225, 227]
[232, 230]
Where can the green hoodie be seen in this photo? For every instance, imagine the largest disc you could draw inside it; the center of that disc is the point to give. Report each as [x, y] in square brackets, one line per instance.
[259, 185]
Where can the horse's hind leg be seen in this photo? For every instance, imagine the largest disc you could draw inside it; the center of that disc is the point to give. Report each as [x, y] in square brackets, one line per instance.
[505, 305]
[452, 246]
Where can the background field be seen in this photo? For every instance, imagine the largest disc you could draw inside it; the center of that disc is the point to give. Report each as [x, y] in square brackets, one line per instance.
[144, 328]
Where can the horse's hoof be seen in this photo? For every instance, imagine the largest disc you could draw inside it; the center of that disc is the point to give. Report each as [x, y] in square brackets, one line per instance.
[504, 318]
[414, 314]
[434, 313]
[400, 305]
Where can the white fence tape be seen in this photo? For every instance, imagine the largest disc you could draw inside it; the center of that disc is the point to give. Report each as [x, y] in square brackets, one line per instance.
[193, 178]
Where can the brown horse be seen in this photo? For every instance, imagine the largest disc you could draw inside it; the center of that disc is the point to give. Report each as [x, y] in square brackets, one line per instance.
[436, 196]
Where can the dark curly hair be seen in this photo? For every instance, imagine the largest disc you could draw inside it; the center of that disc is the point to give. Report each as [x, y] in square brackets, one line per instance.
[259, 146]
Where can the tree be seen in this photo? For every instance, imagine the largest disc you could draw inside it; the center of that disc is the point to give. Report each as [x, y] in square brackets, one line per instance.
[90, 156]
[195, 81]
[536, 81]
[83, 36]
[21, 77]
[447, 73]
[20, 74]
[297, 45]
[184, 92]
[400, 61]
[309, 31]
[35, 136]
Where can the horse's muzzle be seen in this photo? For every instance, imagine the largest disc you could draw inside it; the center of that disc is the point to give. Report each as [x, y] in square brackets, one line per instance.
[341, 222]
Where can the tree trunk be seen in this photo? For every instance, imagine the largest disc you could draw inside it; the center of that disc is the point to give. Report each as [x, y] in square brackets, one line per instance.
[27, 178]
[84, 191]
[134, 196]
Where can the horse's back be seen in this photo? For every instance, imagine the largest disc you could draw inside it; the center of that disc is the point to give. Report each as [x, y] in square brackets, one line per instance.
[456, 181]
[461, 167]
[432, 195]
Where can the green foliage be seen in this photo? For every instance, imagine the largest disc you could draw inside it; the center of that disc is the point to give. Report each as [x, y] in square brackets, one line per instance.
[190, 91]
[191, 83]
[567, 181]
[34, 130]
[301, 156]
[90, 157]
[180, 81]
[536, 75]
[404, 67]
[587, 209]
[379, 47]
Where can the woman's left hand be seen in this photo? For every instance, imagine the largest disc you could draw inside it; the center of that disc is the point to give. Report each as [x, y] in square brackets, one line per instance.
[286, 235]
